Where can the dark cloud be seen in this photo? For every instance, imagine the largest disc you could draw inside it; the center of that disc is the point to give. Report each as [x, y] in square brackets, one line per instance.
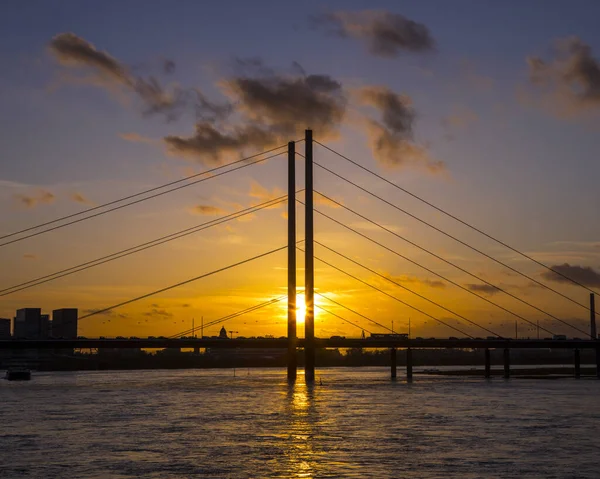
[209, 145]
[569, 82]
[270, 110]
[158, 312]
[75, 52]
[108, 313]
[208, 210]
[432, 283]
[392, 139]
[31, 201]
[289, 105]
[482, 288]
[386, 34]
[186, 305]
[582, 274]
[79, 198]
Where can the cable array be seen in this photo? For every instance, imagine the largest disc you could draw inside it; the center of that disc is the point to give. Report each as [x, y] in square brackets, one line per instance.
[142, 246]
[95, 215]
[176, 285]
[420, 265]
[390, 296]
[456, 218]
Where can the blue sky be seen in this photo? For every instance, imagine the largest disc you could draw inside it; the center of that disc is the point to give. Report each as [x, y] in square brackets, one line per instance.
[512, 167]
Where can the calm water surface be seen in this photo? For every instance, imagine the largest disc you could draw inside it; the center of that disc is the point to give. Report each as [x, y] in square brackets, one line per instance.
[357, 423]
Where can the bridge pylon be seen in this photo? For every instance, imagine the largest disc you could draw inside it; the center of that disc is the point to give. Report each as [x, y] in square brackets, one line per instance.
[292, 334]
[309, 263]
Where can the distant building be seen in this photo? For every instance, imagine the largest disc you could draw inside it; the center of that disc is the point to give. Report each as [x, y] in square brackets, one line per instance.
[45, 326]
[4, 328]
[28, 323]
[64, 323]
[223, 333]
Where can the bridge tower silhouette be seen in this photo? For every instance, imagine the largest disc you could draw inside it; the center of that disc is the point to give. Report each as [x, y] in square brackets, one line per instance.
[309, 270]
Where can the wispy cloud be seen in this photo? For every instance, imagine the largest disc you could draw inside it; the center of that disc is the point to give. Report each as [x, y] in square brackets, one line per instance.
[582, 274]
[79, 198]
[482, 288]
[392, 138]
[30, 201]
[385, 34]
[207, 210]
[569, 83]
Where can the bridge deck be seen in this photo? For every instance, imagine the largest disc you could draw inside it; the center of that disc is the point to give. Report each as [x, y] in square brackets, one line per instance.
[282, 343]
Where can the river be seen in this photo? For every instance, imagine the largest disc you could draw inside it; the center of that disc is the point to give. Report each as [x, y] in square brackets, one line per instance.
[351, 423]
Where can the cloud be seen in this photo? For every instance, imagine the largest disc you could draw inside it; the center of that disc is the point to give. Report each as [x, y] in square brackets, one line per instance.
[29, 256]
[482, 288]
[210, 145]
[436, 284]
[137, 138]
[108, 313]
[260, 192]
[385, 34]
[31, 201]
[158, 312]
[104, 70]
[392, 139]
[289, 105]
[208, 210]
[79, 198]
[569, 83]
[186, 305]
[582, 274]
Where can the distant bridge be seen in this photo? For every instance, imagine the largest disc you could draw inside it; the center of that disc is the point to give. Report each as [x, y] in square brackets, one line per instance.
[318, 343]
[309, 344]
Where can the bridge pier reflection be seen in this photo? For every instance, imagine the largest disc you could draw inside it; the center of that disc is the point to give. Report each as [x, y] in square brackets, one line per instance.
[577, 359]
[409, 363]
[488, 364]
[393, 363]
[506, 363]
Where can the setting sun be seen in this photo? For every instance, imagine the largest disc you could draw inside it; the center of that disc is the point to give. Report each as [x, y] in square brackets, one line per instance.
[300, 308]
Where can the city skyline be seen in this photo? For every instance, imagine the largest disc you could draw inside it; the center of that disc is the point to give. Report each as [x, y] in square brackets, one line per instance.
[499, 132]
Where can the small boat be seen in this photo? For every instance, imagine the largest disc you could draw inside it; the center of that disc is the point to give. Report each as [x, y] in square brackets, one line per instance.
[18, 374]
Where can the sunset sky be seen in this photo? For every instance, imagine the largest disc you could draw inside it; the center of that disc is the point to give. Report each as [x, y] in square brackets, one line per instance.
[487, 109]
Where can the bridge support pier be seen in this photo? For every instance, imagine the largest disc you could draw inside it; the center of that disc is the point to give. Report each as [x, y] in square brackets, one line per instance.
[309, 262]
[506, 363]
[488, 364]
[409, 363]
[393, 363]
[291, 331]
[577, 359]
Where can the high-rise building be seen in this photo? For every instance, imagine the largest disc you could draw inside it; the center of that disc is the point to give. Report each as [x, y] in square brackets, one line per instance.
[4, 328]
[45, 326]
[28, 323]
[64, 323]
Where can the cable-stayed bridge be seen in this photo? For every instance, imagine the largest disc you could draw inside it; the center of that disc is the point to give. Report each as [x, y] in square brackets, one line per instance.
[458, 325]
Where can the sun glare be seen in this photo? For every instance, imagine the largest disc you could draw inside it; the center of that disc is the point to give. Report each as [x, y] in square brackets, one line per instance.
[300, 309]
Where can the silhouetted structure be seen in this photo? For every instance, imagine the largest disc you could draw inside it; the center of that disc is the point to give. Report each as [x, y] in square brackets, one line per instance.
[4, 328]
[64, 323]
[28, 323]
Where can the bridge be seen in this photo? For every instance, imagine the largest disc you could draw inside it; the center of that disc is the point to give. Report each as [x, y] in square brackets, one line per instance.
[306, 245]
